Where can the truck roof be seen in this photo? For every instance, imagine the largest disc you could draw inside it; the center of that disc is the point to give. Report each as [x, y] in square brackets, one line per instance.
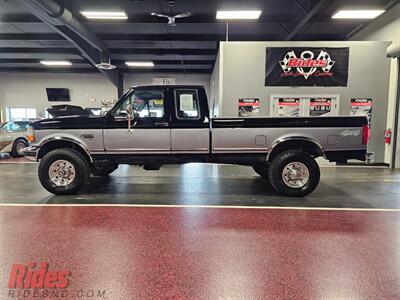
[169, 86]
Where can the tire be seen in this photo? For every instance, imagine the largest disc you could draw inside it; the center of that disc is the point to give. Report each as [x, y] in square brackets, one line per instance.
[103, 171]
[261, 169]
[286, 169]
[66, 157]
[17, 145]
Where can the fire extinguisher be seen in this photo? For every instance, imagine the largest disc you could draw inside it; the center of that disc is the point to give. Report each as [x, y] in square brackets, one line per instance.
[388, 136]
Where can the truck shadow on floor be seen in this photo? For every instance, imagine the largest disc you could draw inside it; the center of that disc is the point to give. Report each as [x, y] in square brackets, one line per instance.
[162, 190]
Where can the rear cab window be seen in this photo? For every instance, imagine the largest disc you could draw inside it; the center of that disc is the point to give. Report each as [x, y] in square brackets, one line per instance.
[187, 104]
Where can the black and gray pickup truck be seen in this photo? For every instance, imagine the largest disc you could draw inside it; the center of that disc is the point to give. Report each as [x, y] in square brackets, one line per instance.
[155, 125]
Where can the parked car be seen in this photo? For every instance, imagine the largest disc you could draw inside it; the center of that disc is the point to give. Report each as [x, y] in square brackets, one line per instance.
[13, 138]
[155, 125]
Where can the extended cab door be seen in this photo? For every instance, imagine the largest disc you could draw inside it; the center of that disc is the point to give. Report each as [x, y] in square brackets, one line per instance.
[190, 133]
[150, 130]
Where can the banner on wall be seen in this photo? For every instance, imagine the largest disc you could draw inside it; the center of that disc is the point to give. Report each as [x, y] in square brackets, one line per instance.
[320, 106]
[361, 107]
[248, 107]
[302, 66]
[164, 81]
[289, 107]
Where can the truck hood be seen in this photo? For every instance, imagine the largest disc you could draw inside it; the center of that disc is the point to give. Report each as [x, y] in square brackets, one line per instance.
[71, 122]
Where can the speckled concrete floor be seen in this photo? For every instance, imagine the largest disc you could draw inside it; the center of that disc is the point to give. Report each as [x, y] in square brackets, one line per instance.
[131, 252]
[208, 253]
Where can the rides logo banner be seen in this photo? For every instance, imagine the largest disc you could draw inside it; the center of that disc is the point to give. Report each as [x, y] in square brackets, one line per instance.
[306, 66]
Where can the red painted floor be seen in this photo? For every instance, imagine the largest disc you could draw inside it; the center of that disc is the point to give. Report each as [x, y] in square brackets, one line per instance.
[208, 253]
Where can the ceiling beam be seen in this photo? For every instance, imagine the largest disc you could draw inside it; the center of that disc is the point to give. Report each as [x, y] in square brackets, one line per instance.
[63, 22]
[152, 51]
[321, 4]
[95, 70]
[147, 18]
[114, 61]
[164, 37]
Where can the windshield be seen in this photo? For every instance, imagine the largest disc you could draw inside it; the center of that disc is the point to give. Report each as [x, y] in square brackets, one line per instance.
[15, 126]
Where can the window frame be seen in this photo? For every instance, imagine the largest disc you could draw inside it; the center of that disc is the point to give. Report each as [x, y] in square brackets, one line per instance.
[128, 95]
[197, 103]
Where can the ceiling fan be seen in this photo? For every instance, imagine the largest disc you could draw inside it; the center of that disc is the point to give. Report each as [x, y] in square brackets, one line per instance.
[171, 18]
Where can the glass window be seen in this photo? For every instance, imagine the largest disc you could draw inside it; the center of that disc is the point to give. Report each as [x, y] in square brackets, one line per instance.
[187, 104]
[145, 104]
[21, 114]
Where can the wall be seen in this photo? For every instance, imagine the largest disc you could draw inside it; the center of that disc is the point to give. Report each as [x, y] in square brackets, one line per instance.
[243, 70]
[387, 28]
[29, 90]
[216, 78]
[147, 79]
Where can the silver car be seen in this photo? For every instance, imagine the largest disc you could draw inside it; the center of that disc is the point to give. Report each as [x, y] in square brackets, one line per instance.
[13, 138]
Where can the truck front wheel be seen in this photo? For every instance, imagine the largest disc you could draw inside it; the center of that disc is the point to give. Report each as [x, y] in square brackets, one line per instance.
[294, 173]
[63, 171]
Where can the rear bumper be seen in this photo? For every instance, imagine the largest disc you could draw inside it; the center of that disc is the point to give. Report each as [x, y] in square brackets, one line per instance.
[344, 156]
[31, 152]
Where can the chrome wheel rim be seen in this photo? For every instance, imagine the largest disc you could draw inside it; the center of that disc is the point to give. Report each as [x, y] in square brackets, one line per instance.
[62, 173]
[295, 175]
[19, 146]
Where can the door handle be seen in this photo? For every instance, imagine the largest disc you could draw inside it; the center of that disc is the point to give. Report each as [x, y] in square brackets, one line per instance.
[164, 124]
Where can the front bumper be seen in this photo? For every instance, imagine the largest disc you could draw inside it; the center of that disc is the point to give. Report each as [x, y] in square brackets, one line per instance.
[31, 152]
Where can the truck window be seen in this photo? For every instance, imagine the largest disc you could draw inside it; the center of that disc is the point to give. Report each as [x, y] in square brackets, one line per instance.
[187, 104]
[145, 104]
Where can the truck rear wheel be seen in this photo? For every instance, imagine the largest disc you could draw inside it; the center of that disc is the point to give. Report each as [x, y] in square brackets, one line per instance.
[262, 169]
[63, 171]
[294, 173]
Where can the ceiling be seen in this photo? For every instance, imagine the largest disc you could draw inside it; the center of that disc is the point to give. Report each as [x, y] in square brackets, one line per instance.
[189, 48]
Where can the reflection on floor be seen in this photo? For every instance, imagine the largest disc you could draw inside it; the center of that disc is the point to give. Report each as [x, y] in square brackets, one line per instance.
[208, 253]
[207, 184]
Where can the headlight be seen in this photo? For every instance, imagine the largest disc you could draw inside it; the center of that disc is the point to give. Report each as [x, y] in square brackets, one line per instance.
[30, 134]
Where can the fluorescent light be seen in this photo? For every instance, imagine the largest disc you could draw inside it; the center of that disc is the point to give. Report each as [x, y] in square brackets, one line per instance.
[143, 64]
[105, 15]
[238, 14]
[55, 62]
[357, 14]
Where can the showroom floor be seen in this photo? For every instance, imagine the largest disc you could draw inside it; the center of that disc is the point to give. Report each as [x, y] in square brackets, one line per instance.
[197, 241]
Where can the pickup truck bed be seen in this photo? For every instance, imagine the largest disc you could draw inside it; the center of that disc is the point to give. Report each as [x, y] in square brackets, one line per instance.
[156, 125]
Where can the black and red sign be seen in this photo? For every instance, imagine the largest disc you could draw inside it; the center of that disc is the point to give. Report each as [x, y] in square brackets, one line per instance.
[306, 66]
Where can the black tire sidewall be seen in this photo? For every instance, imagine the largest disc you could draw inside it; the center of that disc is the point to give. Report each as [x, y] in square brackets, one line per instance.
[278, 164]
[261, 169]
[14, 152]
[76, 159]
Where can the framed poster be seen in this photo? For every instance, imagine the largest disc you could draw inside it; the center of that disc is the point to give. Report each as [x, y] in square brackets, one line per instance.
[300, 66]
[320, 106]
[361, 107]
[248, 107]
[289, 107]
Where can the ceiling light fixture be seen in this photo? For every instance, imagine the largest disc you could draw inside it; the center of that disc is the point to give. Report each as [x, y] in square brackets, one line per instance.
[55, 62]
[119, 15]
[357, 14]
[238, 15]
[141, 64]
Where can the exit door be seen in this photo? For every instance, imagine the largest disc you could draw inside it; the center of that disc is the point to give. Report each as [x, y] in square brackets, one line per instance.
[304, 105]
